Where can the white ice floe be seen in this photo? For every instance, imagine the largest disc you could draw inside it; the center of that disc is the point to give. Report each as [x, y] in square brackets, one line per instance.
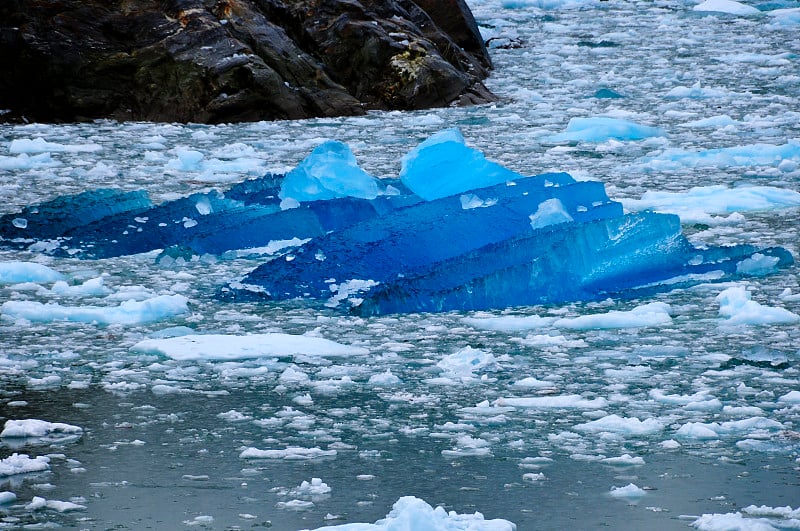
[652, 314]
[40, 145]
[792, 397]
[623, 460]
[23, 464]
[646, 315]
[601, 129]
[20, 272]
[737, 307]
[731, 157]
[410, 513]
[734, 428]
[35, 431]
[311, 489]
[38, 503]
[553, 402]
[128, 313]
[630, 426]
[697, 204]
[292, 453]
[628, 492]
[464, 362]
[749, 521]
[219, 347]
[729, 7]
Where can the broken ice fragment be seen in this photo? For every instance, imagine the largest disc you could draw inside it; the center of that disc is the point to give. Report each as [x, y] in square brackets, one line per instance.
[330, 171]
[443, 165]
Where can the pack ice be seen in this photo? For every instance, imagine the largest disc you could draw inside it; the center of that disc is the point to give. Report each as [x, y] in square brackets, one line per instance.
[456, 231]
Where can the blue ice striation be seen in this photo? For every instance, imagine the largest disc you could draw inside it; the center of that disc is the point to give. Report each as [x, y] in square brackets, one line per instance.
[457, 232]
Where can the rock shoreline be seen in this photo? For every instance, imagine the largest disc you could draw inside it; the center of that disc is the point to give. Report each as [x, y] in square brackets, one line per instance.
[235, 60]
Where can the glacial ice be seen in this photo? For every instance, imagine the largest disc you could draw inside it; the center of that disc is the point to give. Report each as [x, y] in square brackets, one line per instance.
[726, 6]
[410, 513]
[457, 232]
[330, 171]
[601, 129]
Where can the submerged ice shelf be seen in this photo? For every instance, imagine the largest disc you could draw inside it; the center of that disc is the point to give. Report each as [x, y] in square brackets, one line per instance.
[457, 232]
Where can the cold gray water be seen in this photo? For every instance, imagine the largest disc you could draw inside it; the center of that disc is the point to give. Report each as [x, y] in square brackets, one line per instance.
[549, 423]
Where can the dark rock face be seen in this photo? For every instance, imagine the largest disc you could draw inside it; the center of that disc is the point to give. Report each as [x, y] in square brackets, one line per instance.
[213, 61]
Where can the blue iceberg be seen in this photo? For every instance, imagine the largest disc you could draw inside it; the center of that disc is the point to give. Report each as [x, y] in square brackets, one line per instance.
[455, 232]
[515, 240]
[326, 192]
[455, 168]
[63, 214]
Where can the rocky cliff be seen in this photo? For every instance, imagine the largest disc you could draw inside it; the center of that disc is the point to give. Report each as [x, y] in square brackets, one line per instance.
[213, 61]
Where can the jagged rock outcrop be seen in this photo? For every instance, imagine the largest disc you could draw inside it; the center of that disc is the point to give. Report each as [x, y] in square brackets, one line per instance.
[216, 61]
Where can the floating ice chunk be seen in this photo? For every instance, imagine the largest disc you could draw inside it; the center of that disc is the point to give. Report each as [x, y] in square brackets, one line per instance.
[623, 460]
[733, 521]
[384, 379]
[410, 513]
[532, 383]
[736, 306]
[60, 506]
[443, 166]
[726, 6]
[758, 265]
[652, 314]
[469, 446]
[719, 121]
[94, 287]
[23, 161]
[550, 212]
[229, 347]
[660, 396]
[202, 520]
[19, 272]
[792, 397]
[601, 129]
[738, 428]
[330, 171]
[35, 431]
[696, 203]
[187, 160]
[533, 476]
[730, 157]
[776, 512]
[291, 453]
[40, 145]
[128, 313]
[697, 430]
[315, 488]
[7, 497]
[465, 362]
[628, 492]
[622, 425]
[785, 18]
[23, 464]
[553, 402]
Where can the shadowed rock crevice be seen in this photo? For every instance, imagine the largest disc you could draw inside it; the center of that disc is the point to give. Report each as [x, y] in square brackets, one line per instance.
[235, 60]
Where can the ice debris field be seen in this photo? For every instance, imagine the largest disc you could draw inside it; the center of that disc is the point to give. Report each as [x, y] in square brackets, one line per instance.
[319, 324]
